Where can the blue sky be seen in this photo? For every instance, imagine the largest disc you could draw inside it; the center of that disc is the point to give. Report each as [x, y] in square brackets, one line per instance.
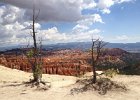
[123, 20]
[61, 21]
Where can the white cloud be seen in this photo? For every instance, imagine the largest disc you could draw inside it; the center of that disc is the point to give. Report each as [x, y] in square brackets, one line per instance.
[104, 5]
[15, 21]
[90, 19]
[121, 1]
[53, 35]
[62, 10]
[106, 11]
[17, 29]
[80, 27]
[52, 10]
[86, 22]
[12, 25]
[87, 35]
[122, 38]
[10, 14]
[88, 4]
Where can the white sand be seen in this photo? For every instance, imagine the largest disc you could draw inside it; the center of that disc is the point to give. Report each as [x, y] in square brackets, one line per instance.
[11, 88]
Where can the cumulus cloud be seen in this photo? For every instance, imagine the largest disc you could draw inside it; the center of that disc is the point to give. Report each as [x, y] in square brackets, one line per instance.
[18, 29]
[80, 27]
[104, 5]
[7, 18]
[86, 22]
[53, 35]
[86, 36]
[54, 10]
[106, 11]
[88, 4]
[10, 14]
[16, 15]
[62, 10]
[90, 19]
[12, 22]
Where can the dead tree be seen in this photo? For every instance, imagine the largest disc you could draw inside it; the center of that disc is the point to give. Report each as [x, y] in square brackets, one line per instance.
[37, 66]
[97, 45]
[34, 55]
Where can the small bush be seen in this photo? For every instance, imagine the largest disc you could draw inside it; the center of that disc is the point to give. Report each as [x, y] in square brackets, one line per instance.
[30, 53]
[111, 72]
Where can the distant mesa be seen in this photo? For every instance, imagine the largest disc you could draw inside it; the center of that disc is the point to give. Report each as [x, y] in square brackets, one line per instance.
[114, 52]
[130, 47]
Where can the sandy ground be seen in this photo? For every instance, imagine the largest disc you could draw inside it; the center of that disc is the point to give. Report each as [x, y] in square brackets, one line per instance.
[12, 88]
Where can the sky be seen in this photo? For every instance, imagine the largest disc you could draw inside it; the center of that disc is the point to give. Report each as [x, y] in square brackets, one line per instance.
[62, 21]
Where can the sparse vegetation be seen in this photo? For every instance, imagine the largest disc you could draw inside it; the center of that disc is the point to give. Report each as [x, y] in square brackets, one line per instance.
[36, 63]
[97, 45]
[102, 86]
[111, 72]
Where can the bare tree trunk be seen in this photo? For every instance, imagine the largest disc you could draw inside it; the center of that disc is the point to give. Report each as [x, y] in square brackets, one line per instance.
[36, 67]
[97, 45]
[93, 64]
